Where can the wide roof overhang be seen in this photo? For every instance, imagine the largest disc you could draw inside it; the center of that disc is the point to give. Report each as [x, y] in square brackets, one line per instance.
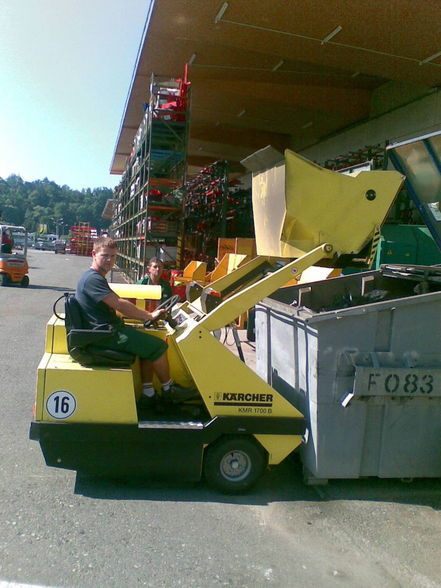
[279, 72]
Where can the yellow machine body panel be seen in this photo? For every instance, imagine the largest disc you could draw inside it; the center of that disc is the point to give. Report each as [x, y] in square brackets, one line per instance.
[345, 211]
[299, 205]
[269, 209]
[178, 370]
[41, 377]
[227, 385]
[98, 395]
[279, 446]
[138, 291]
[195, 271]
[94, 388]
[56, 335]
[228, 263]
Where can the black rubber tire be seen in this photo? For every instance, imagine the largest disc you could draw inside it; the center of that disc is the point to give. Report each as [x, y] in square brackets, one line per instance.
[24, 282]
[4, 280]
[234, 464]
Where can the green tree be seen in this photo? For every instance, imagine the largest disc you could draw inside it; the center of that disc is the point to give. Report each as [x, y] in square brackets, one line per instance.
[45, 202]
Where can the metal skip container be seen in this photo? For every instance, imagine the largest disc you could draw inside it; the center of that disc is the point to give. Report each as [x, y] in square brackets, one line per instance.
[360, 357]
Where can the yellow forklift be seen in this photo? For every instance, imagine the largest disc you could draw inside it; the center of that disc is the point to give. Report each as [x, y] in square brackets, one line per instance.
[13, 249]
[86, 416]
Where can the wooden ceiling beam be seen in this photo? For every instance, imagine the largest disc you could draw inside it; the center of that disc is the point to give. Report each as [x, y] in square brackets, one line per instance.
[350, 101]
[228, 134]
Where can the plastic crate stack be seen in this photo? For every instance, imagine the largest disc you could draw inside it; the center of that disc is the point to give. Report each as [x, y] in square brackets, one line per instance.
[82, 238]
[214, 207]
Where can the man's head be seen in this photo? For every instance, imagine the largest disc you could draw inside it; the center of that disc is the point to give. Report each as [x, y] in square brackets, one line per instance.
[154, 268]
[104, 242]
[104, 254]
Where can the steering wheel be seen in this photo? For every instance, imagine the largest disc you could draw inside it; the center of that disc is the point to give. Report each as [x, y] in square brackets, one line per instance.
[167, 305]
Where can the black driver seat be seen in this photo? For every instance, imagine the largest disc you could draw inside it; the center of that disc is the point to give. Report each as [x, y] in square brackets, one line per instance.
[82, 339]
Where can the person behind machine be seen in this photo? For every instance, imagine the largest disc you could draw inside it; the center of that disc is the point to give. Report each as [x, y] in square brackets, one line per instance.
[100, 303]
[153, 277]
[7, 241]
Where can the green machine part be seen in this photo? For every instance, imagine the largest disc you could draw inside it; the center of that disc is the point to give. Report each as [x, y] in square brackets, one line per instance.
[406, 244]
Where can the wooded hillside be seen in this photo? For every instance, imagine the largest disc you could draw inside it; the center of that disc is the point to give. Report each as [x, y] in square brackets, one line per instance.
[43, 202]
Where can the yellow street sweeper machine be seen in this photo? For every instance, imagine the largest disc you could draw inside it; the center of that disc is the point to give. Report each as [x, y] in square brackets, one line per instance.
[86, 416]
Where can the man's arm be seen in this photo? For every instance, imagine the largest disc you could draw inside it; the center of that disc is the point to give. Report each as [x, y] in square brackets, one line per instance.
[129, 310]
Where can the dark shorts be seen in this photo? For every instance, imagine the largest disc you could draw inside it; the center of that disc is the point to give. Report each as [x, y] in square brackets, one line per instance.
[138, 343]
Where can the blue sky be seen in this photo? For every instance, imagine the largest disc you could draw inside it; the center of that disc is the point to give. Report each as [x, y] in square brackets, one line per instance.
[65, 71]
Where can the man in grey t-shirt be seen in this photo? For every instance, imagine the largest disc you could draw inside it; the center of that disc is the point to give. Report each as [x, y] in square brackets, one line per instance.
[100, 303]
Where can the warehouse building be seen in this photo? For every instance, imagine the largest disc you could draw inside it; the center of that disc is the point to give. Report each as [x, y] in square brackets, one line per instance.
[333, 81]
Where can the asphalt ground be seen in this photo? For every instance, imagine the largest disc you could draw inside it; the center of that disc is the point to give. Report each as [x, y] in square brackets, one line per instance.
[63, 529]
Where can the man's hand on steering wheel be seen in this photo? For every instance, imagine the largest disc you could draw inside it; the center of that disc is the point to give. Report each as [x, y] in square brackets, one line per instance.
[157, 313]
[163, 309]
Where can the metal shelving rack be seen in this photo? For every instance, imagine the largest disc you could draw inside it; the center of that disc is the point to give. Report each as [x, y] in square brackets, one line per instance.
[147, 216]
